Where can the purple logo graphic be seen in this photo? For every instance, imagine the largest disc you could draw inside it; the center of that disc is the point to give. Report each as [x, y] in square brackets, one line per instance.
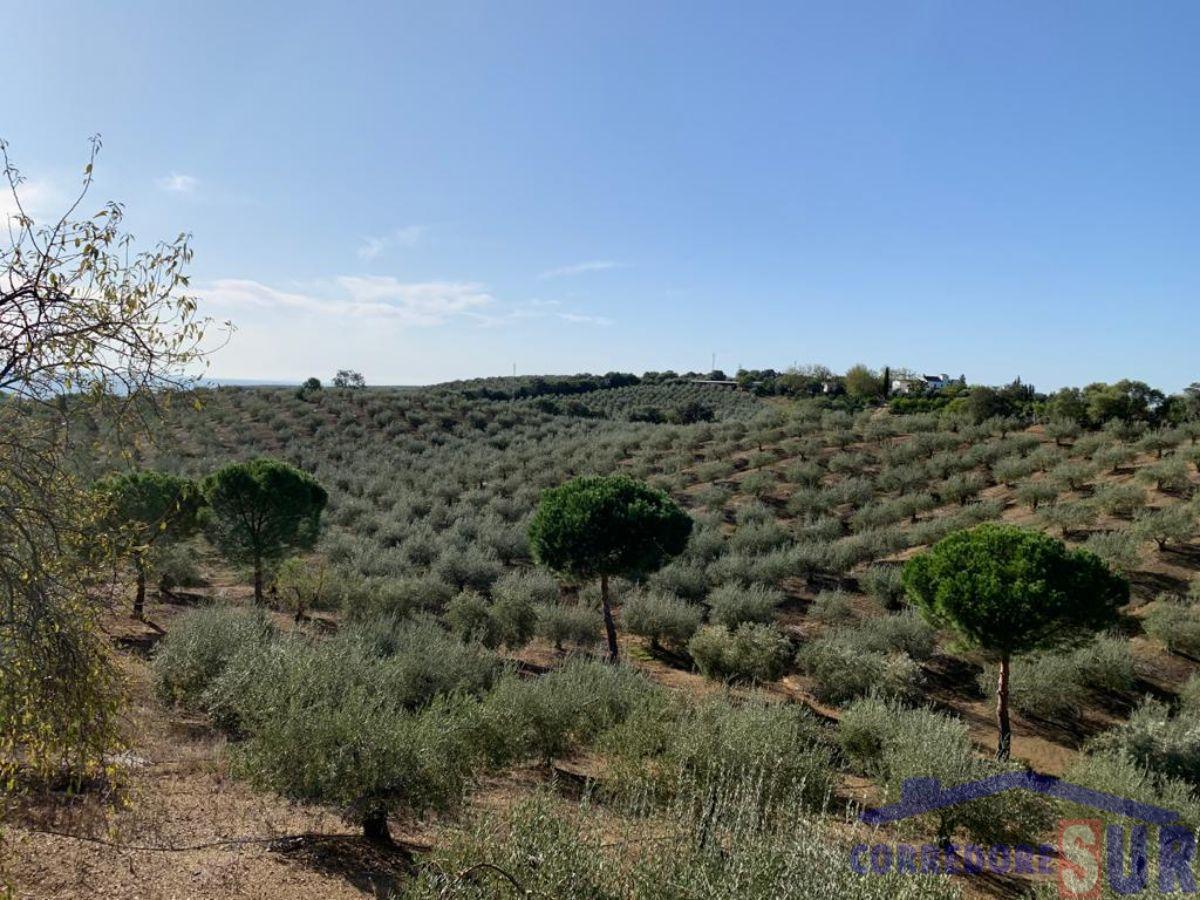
[1087, 850]
[922, 795]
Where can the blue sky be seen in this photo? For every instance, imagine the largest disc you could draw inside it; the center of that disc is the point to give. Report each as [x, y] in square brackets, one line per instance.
[439, 190]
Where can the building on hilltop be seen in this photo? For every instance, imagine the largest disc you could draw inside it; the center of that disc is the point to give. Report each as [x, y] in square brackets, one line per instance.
[923, 384]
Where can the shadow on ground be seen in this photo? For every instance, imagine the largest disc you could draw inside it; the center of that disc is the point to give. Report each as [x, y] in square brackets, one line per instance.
[375, 870]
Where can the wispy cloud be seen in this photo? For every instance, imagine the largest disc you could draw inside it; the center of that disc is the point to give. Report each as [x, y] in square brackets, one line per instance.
[581, 319]
[384, 298]
[408, 236]
[545, 309]
[411, 303]
[176, 183]
[40, 199]
[594, 265]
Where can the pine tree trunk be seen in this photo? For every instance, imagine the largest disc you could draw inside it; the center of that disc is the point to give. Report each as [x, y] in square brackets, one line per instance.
[1005, 744]
[375, 828]
[139, 599]
[258, 581]
[610, 627]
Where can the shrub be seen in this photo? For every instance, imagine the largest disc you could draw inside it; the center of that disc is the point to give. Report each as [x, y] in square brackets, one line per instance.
[1056, 686]
[1120, 549]
[545, 717]
[301, 585]
[177, 565]
[1176, 624]
[731, 604]
[893, 744]
[562, 623]
[809, 502]
[1044, 686]
[1011, 470]
[759, 484]
[842, 671]
[1037, 493]
[805, 474]
[754, 513]
[1071, 476]
[883, 583]
[514, 618]
[1062, 431]
[1120, 499]
[532, 585]
[1113, 456]
[684, 579]
[906, 632]
[371, 598]
[706, 544]
[759, 537]
[714, 498]
[1106, 664]
[247, 682]
[789, 855]
[199, 645]
[1164, 744]
[832, 608]
[336, 739]
[1166, 525]
[420, 660]
[1121, 775]
[469, 616]
[1189, 695]
[751, 652]
[961, 487]
[660, 617]
[1170, 476]
[1068, 516]
[658, 751]
[471, 567]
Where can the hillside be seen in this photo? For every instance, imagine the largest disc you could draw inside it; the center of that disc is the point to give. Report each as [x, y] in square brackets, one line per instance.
[802, 518]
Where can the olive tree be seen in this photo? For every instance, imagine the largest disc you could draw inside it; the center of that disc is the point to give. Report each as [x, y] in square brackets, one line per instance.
[607, 526]
[1166, 524]
[260, 510]
[348, 378]
[1006, 591]
[326, 724]
[301, 585]
[148, 510]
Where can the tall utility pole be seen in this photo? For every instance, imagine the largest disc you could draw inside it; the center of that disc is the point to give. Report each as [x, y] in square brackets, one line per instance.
[714, 362]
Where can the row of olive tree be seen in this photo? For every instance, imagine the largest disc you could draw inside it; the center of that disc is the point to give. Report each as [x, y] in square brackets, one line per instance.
[254, 512]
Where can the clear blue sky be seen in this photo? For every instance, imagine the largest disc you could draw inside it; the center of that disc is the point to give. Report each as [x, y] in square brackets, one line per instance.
[438, 190]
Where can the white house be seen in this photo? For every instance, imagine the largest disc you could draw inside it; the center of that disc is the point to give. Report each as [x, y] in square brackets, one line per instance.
[920, 384]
